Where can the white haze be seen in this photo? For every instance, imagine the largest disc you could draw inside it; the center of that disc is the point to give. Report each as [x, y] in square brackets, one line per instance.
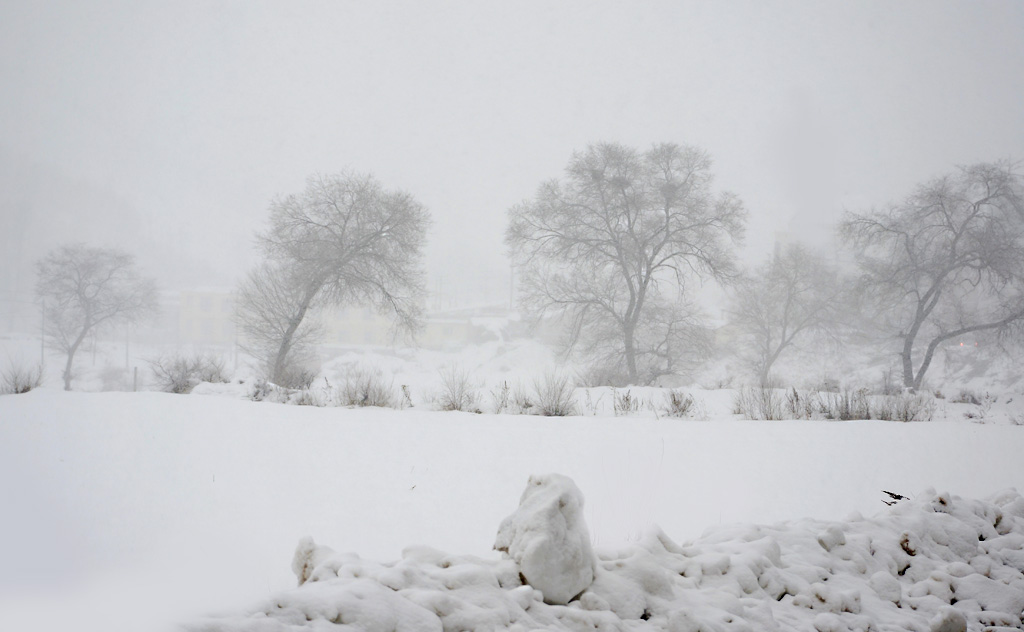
[165, 128]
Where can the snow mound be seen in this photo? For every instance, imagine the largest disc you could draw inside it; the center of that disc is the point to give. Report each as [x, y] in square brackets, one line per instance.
[938, 563]
[547, 538]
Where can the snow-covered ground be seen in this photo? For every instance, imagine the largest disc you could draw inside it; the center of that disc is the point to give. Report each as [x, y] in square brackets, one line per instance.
[128, 511]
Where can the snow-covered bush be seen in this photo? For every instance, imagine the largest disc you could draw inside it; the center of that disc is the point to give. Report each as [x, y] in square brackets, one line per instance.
[17, 379]
[367, 387]
[180, 373]
[263, 391]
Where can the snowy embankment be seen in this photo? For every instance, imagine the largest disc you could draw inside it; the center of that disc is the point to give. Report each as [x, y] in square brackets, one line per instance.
[938, 564]
[123, 508]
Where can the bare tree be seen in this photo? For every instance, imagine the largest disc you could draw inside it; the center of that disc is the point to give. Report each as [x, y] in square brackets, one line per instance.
[84, 288]
[617, 240]
[947, 261]
[344, 239]
[794, 295]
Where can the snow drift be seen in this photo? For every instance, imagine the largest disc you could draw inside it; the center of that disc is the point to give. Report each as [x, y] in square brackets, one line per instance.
[548, 540]
[936, 563]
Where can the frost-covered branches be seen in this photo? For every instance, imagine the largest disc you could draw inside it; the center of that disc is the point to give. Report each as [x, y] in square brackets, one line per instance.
[620, 234]
[82, 288]
[793, 295]
[947, 261]
[344, 239]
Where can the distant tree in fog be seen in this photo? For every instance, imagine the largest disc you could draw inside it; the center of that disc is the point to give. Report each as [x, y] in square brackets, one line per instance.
[82, 288]
[614, 244]
[792, 296]
[945, 262]
[343, 240]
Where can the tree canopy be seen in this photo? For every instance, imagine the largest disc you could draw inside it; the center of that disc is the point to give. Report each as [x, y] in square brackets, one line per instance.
[83, 288]
[945, 262]
[620, 236]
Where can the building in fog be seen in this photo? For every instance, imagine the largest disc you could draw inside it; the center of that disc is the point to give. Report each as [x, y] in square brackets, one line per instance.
[206, 317]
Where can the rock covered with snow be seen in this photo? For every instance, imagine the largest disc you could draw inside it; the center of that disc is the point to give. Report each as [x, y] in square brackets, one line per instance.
[547, 537]
[938, 563]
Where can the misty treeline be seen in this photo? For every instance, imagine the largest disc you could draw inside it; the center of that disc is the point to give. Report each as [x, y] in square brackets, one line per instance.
[613, 255]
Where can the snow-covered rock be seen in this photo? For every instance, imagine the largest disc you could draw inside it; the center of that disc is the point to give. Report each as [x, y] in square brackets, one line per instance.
[547, 537]
[309, 555]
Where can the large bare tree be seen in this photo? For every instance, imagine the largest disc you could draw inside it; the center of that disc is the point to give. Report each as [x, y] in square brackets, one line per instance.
[617, 240]
[83, 288]
[945, 262]
[343, 240]
[792, 296]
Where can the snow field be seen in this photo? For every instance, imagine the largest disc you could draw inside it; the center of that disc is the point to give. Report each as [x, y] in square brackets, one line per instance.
[129, 506]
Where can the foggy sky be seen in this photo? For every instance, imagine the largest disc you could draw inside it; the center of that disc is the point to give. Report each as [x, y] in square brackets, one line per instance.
[166, 128]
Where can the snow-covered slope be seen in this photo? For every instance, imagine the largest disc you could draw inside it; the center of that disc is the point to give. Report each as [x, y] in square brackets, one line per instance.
[129, 507]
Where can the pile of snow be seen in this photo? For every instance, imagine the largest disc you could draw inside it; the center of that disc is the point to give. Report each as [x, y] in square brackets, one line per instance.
[937, 563]
[548, 539]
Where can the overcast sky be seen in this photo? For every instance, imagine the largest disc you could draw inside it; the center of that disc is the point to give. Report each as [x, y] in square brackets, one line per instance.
[166, 128]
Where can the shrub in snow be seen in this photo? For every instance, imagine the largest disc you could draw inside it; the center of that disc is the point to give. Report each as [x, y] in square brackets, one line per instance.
[406, 396]
[522, 401]
[555, 395]
[501, 398]
[624, 402]
[17, 379]
[760, 402]
[678, 403]
[456, 391]
[547, 537]
[910, 407]
[263, 391]
[298, 377]
[181, 373]
[367, 387]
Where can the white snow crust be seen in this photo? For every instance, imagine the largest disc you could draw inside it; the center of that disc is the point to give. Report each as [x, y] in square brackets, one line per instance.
[938, 563]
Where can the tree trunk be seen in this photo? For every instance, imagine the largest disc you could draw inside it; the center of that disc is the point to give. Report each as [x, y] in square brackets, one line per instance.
[281, 359]
[908, 363]
[769, 362]
[630, 344]
[71, 358]
[925, 363]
